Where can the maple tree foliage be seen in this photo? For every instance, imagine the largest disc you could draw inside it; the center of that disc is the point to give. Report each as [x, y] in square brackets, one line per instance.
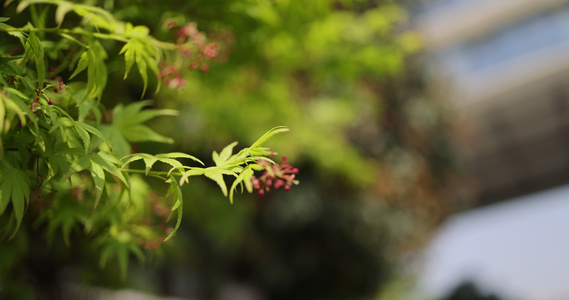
[67, 158]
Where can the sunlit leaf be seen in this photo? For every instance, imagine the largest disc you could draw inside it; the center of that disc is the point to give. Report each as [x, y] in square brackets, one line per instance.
[98, 175]
[179, 155]
[62, 9]
[102, 159]
[243, 178]
[176, 193]
[217, 176]
[268, 135]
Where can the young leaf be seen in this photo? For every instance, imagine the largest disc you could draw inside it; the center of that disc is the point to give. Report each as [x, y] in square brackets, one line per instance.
[179, 155]
[221, 158]
[129, 54]
[176, 194]
[268, 135]
[102, 159]
[190, 172]
[98, 175]
[243, 178]
[217, 176]
[81, 65]
[62, 9]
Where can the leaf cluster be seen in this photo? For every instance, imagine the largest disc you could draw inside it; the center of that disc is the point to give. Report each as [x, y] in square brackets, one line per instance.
[65, 159]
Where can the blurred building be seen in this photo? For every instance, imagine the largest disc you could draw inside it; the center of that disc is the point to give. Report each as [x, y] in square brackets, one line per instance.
[508, 62]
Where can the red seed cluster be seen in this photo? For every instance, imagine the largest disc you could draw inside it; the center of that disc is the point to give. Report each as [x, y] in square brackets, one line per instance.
[172, 77]
[193, 46]
[275, 176]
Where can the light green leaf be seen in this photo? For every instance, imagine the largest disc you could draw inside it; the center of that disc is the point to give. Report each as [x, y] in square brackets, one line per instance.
[90, 129]
[179, 155]
[268, 135]
[109, 158]
[143, 133]
[23, 5]
[61, 122]
[176, 194]
[128, 57]
[217, 176]
[98, 175]
[109, 167]
[243, 178]
[119, 145]
[221, 158]
[190, 172]
[62, 9]
[142, 66]
[84, 135]
[81, 65]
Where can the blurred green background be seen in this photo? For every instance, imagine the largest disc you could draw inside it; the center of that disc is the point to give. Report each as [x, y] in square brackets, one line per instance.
[375, 145]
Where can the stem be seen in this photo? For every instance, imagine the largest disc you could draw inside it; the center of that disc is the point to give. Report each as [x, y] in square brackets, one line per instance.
[99, 35]
[151, 173]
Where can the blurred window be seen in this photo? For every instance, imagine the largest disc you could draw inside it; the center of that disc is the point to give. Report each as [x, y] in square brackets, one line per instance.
[538, 32]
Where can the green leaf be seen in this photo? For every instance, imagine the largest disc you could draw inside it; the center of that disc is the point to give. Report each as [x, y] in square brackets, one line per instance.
[217, 176]
[81, 65]
[179, 155]
[34, 44]
[127, 120]
[142, 66]
[61, 122]
[90, 129]
[221, 158]
[177, 207]
[243, 178]
[135, 113]
[143, 133]
[98, 175]
[7, 67]
[119, 145]
[93, 59]
[15, 187]
[268, 135]
[84, 135]
[62, 9]
[191, 172]
[122, 257]
[148, 159]
[128, 57]
[102, 159]
[79, 164]
[108, 157]
[23, 5]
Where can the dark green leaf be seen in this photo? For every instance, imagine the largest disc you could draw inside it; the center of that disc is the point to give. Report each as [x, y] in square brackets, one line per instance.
[14, 186]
